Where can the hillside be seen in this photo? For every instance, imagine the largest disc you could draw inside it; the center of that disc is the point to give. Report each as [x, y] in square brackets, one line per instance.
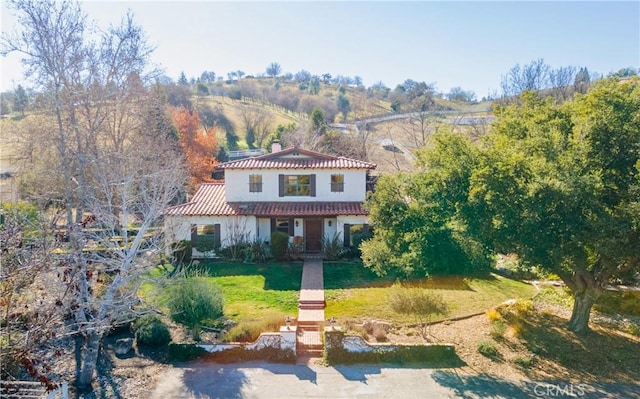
[263, 104]
[390, 136]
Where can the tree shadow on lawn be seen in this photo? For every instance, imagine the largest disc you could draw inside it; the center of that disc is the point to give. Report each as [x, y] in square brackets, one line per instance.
[600, 354]
[339, 275]
[450, 283]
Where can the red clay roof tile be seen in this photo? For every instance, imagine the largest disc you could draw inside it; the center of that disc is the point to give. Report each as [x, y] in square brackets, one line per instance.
[308, 160]
[210, 200]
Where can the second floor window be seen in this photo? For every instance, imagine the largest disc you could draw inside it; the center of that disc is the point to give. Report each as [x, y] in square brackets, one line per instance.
[297, 185]
[337, 183]
[255, 183]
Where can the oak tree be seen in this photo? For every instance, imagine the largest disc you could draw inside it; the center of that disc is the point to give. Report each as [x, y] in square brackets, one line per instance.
[558, 186]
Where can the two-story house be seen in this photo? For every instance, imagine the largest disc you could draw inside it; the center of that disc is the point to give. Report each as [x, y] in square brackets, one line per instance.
[303, 193]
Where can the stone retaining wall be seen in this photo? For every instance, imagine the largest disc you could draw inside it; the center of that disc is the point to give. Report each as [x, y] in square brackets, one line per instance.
[337, 340]
[285, 339]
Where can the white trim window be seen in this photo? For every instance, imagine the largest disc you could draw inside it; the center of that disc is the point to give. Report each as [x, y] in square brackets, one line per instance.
[337, 183]
[255, 183]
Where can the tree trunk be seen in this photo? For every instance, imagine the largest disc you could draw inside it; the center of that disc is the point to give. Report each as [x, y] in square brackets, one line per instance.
[583, 301]
[89, 361]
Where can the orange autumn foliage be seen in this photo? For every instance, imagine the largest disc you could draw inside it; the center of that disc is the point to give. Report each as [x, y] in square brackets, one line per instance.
[198, 145]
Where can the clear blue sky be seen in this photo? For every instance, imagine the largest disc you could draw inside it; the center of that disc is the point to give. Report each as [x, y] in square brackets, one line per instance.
[466, 44]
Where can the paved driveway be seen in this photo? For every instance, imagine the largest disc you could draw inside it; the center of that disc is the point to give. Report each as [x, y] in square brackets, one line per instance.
[278, 381]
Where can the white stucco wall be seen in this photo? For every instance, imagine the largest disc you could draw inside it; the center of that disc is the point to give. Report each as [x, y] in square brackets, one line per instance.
[237, 185]
[329, 231]
[178, 228]
[264, 229]
[298, 230]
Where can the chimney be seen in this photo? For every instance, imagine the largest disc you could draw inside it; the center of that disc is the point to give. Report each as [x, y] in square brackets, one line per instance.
[275, 146]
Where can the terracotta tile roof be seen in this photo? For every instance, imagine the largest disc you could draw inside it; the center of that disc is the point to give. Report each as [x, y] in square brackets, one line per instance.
[309, 160]
[209, 200]
[301, 208]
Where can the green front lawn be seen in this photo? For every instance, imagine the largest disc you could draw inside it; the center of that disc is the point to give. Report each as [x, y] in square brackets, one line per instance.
[353, 292]
[252, 291]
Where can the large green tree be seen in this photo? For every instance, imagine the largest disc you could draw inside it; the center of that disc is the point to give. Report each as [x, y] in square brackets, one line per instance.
[417, 217]
[558, 186]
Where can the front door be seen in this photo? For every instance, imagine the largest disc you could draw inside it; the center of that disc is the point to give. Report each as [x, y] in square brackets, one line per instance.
[313, 235]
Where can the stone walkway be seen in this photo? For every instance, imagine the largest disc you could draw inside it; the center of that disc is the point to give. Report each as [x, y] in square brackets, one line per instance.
[311, 303]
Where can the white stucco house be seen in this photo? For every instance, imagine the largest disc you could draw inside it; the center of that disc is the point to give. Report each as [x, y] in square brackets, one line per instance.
[303, 193]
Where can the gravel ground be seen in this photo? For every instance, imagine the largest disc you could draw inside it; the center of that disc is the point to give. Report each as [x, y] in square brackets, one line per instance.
[587, 360]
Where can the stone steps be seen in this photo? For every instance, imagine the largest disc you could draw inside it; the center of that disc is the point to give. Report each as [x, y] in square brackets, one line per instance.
[312, 304]
[309, 342]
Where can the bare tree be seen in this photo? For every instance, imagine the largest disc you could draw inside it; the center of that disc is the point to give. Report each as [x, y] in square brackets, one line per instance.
[236, 235]
[533, 76]
[53, 45]
[257, 125]
[273, 69]
[562, 80]
[420, 124]
[30, 304]
[95, 97]
[132, 189]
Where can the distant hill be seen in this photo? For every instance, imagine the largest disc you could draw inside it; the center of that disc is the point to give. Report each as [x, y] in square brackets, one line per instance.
[370, 113]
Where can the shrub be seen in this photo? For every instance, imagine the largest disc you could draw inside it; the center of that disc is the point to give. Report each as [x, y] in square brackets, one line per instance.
[279, 244]
[206, 243]
[256, 251]
[151, 331]
[242, 354]
[193, 300]
[493, 315]
[633, 329]
[433, 355]
[332, 247]
[145, 320]
[185, 352]
[295, 250]
[523, 307]
[357, 236]
[234, 252]
[524, 362]
[616, 302]
[517, 327]
[498, 328]
[250, 330]
[488, 349]
[422, 304]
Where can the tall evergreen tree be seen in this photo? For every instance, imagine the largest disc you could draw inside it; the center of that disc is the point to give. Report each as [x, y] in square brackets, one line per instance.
[20, 100]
